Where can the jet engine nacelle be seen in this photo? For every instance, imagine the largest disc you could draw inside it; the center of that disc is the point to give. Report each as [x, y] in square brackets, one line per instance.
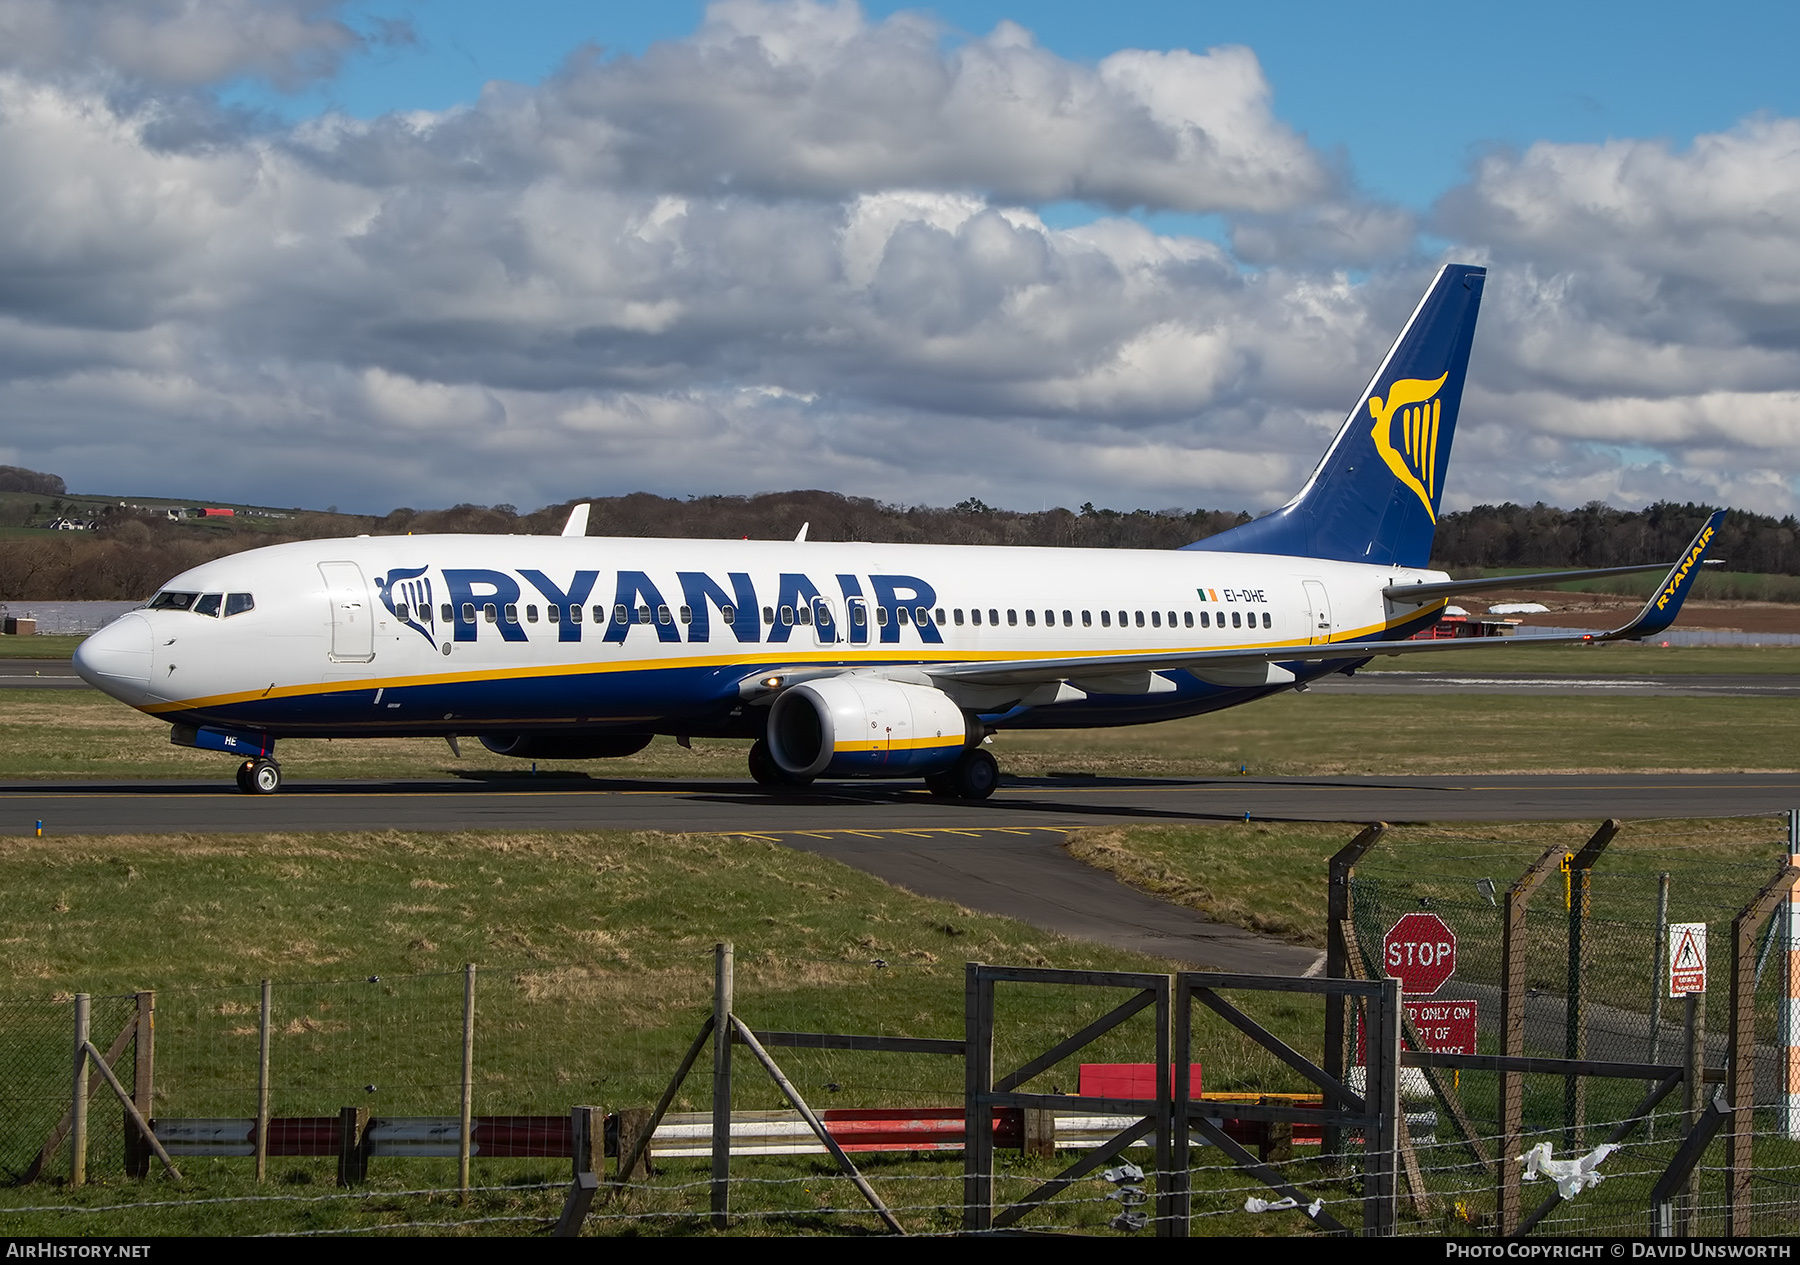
[851, 726]
[565, 746]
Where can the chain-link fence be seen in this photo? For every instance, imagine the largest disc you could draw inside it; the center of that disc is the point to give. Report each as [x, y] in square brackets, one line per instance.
[1591, 949]
[610, 1031]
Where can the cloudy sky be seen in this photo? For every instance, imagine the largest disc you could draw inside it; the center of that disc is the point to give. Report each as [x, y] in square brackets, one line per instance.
[415, 252]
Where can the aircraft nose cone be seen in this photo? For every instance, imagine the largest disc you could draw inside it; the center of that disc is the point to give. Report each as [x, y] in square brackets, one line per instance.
[117, 658]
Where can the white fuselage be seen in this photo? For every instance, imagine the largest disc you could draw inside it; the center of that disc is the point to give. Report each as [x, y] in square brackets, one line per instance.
[469, 634]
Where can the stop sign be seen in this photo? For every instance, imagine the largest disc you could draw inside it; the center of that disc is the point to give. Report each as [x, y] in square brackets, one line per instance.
[1420, 952]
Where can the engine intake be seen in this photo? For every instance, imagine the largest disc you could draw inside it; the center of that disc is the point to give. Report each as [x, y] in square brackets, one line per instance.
[565, 746]
[847, 726]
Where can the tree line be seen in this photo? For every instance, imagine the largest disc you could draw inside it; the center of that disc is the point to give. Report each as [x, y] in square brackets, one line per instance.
[130, 555]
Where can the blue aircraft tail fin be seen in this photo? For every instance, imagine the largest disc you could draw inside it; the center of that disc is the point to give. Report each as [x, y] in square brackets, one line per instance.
[1374, 497]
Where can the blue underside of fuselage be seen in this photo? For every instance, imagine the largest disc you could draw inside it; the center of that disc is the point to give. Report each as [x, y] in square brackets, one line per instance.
[702, 701]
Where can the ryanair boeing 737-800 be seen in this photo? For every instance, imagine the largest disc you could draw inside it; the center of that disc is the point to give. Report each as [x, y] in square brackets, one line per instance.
[841, 660]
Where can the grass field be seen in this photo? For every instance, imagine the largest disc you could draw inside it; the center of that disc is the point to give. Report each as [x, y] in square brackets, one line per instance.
[81, 734]
[42, 646]
[595, 955]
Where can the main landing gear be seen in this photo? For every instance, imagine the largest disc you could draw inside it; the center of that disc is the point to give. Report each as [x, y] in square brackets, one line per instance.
[974, 776]
[259, 777]
[767, 773]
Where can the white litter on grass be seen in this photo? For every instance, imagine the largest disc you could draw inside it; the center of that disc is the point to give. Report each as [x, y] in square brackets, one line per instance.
[1571, 1176]
[1253, 1204]
[1519, 608]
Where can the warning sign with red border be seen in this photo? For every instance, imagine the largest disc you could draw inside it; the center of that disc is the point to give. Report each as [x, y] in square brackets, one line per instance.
[1687, 958]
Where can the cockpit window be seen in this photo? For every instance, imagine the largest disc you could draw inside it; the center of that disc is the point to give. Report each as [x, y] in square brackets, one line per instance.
[238, 603]
[173, 601]
[209, 604]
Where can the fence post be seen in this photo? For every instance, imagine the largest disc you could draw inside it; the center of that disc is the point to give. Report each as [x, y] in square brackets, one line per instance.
[78, 1108]
[1790, 1001]
[143, 1084]
[1168, 1224]
[1581, 872]
[1381, 1147]
[353, 1152]
[1512, 1037]
[721, 1086]
[1741, 1046]
[465, 1133]
[1693, 1093]
[262, 1085]
[978, 1082]
[1658, 986]
[1338, 1006]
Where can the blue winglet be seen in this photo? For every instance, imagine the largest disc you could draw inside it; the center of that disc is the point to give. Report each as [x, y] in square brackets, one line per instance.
[1660, 611]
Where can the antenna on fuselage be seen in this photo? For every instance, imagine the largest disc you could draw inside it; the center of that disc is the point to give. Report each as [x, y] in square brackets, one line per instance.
[577, 524]
[803, 527]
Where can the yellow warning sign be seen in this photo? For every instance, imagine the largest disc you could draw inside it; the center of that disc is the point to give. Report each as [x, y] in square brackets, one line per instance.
[1687, 958]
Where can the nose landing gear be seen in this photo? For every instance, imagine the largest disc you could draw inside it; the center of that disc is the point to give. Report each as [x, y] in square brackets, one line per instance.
[259, 777]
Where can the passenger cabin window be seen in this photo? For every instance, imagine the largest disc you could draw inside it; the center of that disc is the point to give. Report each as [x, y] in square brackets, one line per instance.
[958, 617]
[1125, 618]
[1267, 621]
[643, 614]
[209, 604]
[238, 603]
[1205, 620]
[728, 614]
[554, 613]
[1187, 618]
[993, 617]
[687, 614]
[173, 601]
[1031, 619]
[1236, 620]
[399, 611]
[858, 615]
[574, 614]
[901, 615]
[805, 614]
[1106, 619]
[940, 617]
[768, 614]
[1087, 619]
[881, 617]
[1068, 619]
[1171, 619]
[975, 617]
[512, 613]
[1140, 619]
[621, 614]
[1049, 619]
[531, 614]
[1012, 619]
[921, 615]
[448, 613]
[1156, 619]
[469, 612]
[787, 615]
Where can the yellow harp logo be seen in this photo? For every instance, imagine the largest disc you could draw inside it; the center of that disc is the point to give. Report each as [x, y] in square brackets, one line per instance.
[1412, 407]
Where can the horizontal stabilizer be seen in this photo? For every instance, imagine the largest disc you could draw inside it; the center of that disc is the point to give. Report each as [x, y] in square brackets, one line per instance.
[1417, 593]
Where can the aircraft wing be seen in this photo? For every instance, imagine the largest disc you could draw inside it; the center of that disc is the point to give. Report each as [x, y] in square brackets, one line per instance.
[1260, 665]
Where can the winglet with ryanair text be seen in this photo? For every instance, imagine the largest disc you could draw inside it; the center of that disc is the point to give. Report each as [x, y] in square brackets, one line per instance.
[1660, 611]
